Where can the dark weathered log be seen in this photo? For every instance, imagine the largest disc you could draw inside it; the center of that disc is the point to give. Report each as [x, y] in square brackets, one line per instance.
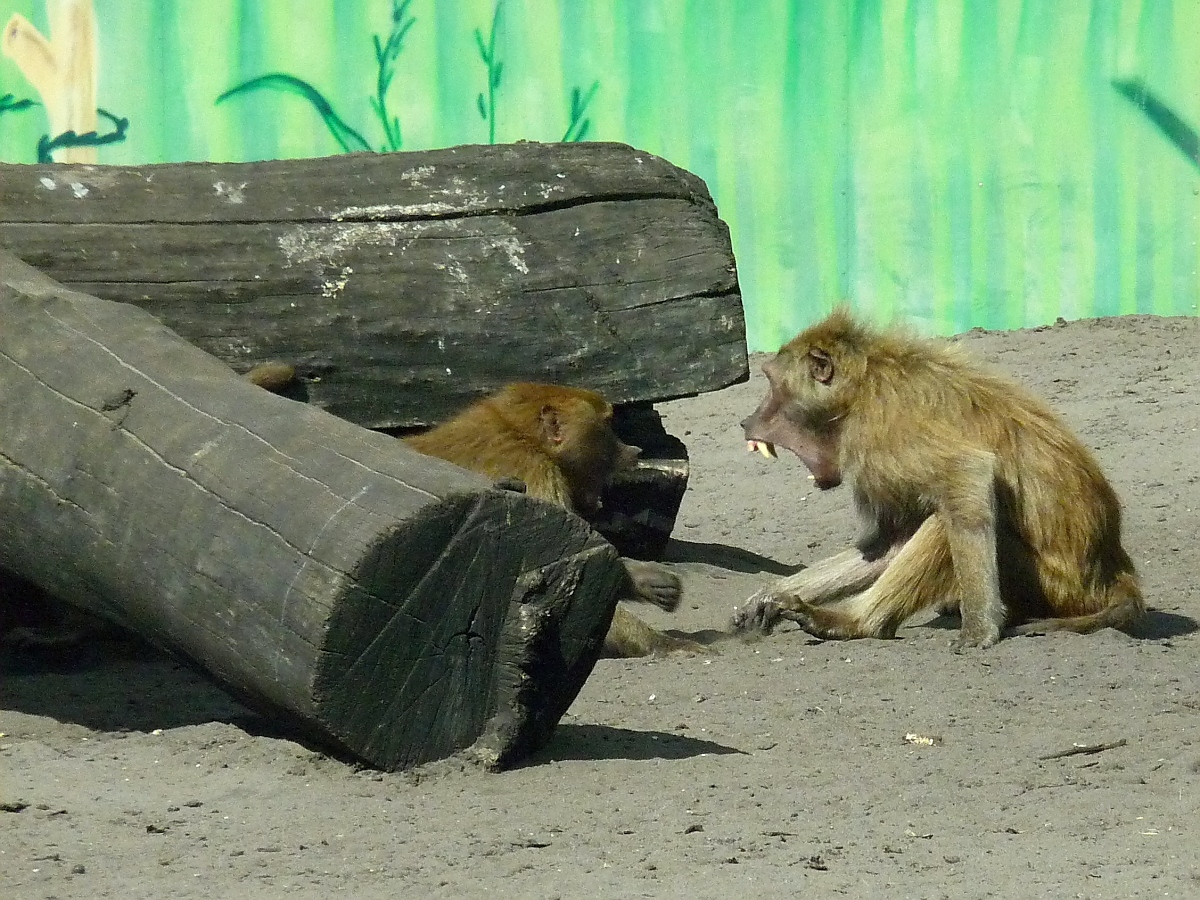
[405, 285]
[639, 508]
[391, 603]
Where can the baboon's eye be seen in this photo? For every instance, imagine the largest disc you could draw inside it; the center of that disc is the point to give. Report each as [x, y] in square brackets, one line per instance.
[820, 366]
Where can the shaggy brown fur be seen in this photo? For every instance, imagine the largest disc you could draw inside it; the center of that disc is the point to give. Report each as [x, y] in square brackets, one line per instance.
[974, 494]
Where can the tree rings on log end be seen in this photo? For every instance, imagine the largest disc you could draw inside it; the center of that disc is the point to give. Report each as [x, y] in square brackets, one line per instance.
[430, 654]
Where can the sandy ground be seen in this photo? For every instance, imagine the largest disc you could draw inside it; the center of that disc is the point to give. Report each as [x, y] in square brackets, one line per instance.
[772, 769]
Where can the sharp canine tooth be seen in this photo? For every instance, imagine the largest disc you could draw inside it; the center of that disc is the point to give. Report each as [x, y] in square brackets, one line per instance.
[762, 447]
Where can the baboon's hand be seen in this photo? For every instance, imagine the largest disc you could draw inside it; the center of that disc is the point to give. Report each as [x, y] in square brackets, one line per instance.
[654, 583]
[759, 613]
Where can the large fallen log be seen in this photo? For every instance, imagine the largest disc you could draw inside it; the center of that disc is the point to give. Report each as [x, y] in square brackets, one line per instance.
[406, 285]
[392, 604]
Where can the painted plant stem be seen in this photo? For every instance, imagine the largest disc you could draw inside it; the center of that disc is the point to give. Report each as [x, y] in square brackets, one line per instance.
[347, 137]
[9, 103]
[487, 52]
[47, 145]
[1176, 130]
[386, 54]
[577, 127]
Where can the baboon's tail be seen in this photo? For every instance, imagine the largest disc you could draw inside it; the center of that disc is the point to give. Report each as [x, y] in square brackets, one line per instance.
[1124, 607]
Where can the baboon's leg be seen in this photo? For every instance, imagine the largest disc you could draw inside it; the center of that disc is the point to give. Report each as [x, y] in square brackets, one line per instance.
[629, 636]
[835, 577]
[920, 575]
[967, 509]
[830, 579]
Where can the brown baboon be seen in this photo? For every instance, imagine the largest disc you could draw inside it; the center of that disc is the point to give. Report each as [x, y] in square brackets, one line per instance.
[560, 442]
[973, 494]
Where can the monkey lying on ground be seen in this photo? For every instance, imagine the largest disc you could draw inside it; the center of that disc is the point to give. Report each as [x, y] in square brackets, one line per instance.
[973, 493]
[560, 442]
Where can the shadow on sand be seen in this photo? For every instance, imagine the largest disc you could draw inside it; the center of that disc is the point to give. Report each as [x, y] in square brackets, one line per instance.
[1155, 625]
[723, 556]
[595, 742]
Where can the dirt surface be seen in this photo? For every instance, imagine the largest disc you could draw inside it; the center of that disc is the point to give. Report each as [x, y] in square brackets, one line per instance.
[772, 769]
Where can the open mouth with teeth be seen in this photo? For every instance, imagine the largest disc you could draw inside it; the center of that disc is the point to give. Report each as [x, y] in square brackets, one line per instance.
[766, 448]
[823, 469]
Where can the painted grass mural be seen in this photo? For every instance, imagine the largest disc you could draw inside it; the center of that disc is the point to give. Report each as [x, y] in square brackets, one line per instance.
[387, 51]
[997, 163]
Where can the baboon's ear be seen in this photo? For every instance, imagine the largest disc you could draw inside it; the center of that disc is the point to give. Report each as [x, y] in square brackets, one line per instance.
[820, 365]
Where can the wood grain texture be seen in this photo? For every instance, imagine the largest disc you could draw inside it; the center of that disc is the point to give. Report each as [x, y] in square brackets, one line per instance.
[405, 285]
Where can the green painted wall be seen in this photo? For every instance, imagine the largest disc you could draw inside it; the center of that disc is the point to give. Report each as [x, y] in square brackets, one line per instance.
[955, 162]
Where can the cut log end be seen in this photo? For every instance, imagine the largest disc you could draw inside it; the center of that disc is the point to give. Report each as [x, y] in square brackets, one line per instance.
[484, 652]
[640, 506]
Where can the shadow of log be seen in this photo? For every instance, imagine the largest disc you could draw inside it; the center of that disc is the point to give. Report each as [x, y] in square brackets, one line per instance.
[595, 742]
[122, 684]
[112, 685]
[725, 557]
